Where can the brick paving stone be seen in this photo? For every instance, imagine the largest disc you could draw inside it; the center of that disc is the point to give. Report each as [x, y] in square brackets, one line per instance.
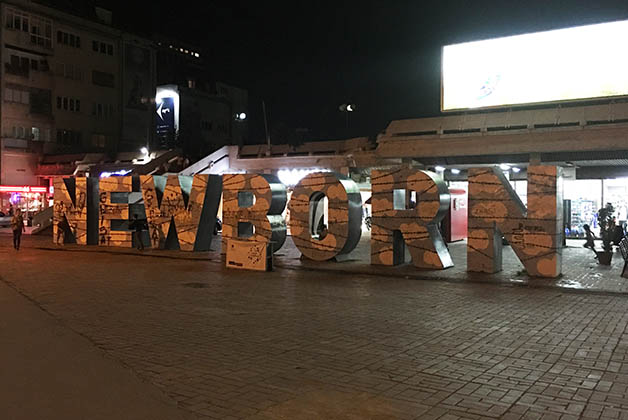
[298, 344]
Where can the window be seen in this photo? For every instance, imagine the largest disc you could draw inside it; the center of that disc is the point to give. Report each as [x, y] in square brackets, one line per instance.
[99, 140]
[18, 65]
[69, 137]
[35, 133]
[102, 47]
[34, 64]
[41, 32]
[100, 78]
[68, 104]
[68, 39]
[17, 20]
[17, 95]
[40, 101]
[102, 111]
[69, 71]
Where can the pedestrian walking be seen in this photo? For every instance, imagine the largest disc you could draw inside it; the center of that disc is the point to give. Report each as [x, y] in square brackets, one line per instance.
[17, 226]
[138, 226]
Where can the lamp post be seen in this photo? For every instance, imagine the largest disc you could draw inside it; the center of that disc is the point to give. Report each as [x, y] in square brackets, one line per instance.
[347, 108]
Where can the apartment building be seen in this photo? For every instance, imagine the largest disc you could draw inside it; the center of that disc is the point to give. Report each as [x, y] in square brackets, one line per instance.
[70, 84]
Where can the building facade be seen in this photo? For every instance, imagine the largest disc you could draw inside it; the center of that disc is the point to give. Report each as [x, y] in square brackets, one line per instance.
[207, 114]
[70, 84]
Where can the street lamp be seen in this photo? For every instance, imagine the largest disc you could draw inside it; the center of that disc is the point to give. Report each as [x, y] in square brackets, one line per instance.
[346, 108]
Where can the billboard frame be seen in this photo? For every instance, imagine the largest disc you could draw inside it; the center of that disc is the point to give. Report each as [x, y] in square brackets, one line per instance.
[525, 104]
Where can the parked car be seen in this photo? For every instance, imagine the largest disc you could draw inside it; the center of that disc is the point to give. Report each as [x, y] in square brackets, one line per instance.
[5, 220]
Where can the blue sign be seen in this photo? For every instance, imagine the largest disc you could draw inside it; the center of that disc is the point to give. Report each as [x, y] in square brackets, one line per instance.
[165, 117]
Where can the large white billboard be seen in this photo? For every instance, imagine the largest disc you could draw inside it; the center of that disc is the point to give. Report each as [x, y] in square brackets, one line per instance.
[562, 65]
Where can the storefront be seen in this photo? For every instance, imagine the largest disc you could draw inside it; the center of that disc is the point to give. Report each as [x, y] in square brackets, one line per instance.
[587, 196]
[29, 199]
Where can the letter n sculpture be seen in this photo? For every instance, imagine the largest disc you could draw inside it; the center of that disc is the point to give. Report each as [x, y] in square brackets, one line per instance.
[70, 204]
[535, 233]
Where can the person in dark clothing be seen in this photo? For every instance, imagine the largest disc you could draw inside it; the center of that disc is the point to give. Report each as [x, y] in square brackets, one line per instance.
[138, 227]
[17, 226]
[62, 230]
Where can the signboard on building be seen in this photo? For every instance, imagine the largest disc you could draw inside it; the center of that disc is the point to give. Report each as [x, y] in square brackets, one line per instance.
[167, 105]
[562, 65]
[165, 117]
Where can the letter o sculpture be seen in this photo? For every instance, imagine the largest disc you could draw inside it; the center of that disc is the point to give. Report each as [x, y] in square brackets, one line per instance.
[344, 224]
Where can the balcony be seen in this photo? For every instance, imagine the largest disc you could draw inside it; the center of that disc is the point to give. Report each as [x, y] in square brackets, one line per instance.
[27, 40]
[21, 71]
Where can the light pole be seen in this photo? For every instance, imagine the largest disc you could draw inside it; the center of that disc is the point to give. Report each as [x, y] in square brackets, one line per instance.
[347, 108]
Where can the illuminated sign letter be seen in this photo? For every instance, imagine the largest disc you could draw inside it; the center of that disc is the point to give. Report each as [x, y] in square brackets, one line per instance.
[114, 211]
[72, 203]
[190, 202]
[321, 236]
[252, 208]
[407, 205]
[534, 233]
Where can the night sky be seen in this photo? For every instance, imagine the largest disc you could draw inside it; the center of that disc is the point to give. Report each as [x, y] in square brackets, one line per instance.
[306, 58]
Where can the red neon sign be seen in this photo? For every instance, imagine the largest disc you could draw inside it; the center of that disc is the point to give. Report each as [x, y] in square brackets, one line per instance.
[23, 189]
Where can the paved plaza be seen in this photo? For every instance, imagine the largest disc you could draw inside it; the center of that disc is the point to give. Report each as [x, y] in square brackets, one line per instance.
[340, 341]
